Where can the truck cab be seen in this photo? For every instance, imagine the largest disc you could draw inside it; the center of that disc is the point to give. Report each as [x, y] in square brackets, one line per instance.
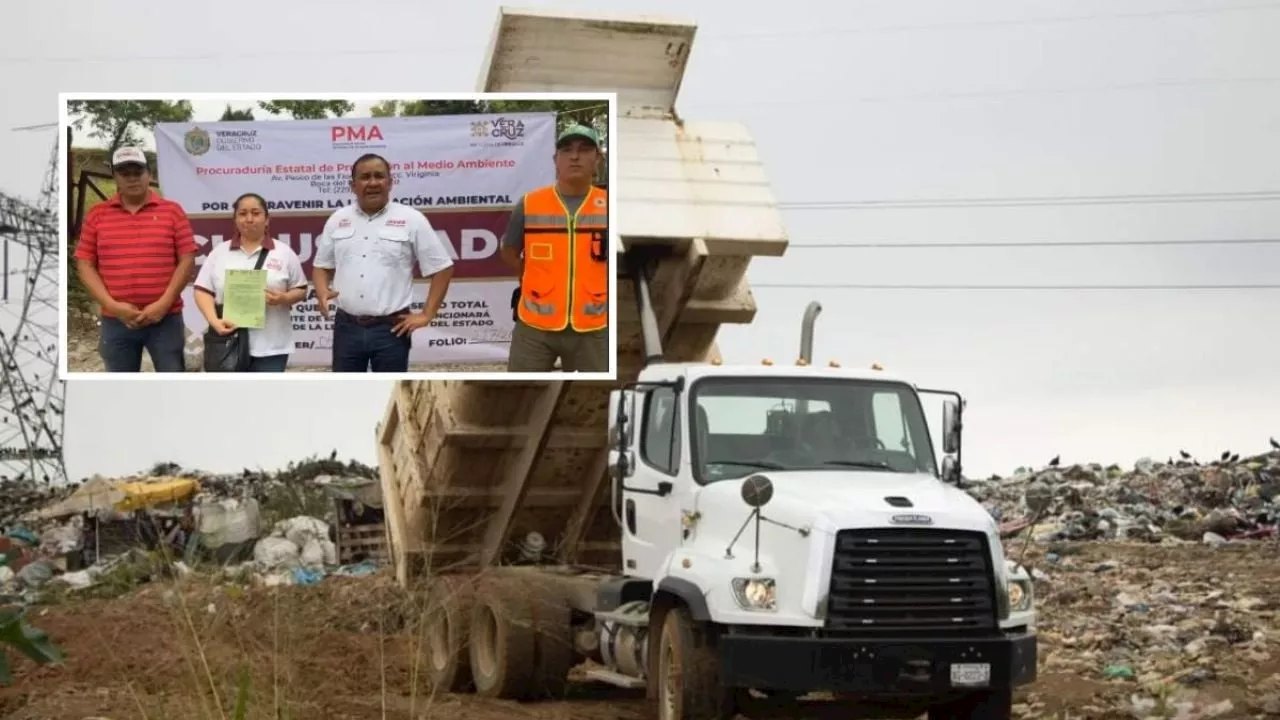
[794, 525]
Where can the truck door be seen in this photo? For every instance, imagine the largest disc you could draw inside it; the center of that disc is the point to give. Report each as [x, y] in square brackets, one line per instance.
[650, 517]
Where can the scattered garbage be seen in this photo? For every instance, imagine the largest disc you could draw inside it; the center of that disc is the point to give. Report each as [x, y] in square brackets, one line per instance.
[276, 528]
[1224, 500]
[1180, 630]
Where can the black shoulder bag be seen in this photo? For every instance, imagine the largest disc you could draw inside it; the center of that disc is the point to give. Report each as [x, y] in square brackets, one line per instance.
[230, 352]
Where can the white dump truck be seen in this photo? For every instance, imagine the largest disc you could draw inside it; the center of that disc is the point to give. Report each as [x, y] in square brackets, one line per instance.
[764, 539]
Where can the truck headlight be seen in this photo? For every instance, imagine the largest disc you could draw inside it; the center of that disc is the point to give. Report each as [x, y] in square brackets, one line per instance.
[1019, 595]
[756, 594]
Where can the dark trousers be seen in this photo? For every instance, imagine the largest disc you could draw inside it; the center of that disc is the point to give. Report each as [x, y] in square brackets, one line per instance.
[368, 347]
[121, 347]
[534, 350]
[269, 363]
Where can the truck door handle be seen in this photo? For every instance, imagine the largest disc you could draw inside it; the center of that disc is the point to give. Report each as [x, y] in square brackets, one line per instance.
[664, 489]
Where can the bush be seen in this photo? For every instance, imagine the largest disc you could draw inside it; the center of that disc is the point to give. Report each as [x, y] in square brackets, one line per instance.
[17, 634]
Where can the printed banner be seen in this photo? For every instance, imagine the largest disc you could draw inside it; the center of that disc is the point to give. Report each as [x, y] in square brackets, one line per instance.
[462, 171]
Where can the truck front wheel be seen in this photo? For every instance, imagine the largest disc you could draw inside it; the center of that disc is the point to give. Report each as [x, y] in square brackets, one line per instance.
[687, 677]
[988, 705]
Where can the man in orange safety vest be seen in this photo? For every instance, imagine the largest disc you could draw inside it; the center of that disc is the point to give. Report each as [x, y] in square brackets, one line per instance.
[557, 241]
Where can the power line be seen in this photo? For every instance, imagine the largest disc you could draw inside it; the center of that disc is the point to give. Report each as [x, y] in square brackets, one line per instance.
[840, 100]
[1023, 22]
[436, 51]
[832, 245]
[1035, 201]
[1015, 288]
[770, 34]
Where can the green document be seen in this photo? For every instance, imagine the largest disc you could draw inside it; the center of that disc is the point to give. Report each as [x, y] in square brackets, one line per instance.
[244, 298]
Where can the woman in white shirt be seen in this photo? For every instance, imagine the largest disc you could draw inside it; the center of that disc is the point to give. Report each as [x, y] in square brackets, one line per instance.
[270, 345]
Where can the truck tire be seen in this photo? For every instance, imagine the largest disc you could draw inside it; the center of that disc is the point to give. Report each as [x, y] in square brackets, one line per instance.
[988, 705]
[447, 628]
[503, 642]
[553, 636]
[687, 678]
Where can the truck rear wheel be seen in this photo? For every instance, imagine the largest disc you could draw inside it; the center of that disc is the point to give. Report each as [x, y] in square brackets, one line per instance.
[553, 634]
[521, 640]
[988, 705]
[503, 644]
[687, 680]
[447, 627]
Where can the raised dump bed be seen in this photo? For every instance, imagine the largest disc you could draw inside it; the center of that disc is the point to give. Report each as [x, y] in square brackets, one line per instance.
[469, 469]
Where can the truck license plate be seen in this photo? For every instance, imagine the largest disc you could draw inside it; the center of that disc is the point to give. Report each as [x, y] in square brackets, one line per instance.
[970, 674]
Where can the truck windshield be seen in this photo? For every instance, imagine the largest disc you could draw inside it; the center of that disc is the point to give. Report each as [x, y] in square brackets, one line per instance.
[743, 425]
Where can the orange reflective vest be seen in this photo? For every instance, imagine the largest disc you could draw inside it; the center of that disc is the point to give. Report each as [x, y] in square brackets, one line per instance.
[566, 262]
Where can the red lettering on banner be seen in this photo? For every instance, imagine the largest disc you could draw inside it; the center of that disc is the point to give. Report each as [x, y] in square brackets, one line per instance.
[355, 133]
[473, 237]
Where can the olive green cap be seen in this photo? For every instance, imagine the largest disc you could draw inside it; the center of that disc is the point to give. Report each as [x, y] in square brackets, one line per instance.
[581, 131]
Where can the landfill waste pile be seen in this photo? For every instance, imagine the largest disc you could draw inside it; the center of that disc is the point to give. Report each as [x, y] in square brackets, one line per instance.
[1154, 587]
[283, 527]
[1226, 498]
[21, 496]
[310, 475]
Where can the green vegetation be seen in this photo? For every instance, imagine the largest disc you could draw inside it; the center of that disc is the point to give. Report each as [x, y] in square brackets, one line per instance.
[118, 122]
[19, 636]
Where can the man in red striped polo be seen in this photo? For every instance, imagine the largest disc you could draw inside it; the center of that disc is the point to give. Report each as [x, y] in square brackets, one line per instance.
[135, 255]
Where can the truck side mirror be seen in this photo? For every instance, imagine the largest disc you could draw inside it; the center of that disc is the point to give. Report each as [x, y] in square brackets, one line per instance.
[620, 430]
[950, 471]
[621, 464]
[951, 427]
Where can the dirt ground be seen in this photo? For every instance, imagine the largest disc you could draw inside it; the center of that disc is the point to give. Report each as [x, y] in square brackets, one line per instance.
[340, 649]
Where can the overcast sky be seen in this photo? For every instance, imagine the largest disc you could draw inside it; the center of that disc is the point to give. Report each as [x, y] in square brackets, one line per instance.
[851, 102]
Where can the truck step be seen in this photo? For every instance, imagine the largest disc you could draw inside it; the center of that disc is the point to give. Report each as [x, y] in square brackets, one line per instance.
[616, 679]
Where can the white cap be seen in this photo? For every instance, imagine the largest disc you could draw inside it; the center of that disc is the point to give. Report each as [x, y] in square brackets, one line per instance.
[128, 155]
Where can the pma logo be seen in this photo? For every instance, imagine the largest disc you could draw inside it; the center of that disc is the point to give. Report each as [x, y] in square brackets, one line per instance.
[355, 135]
[196, 142]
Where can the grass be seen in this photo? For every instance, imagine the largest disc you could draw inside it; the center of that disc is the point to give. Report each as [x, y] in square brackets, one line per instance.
[17, 635]
[212, 645]
[154, 639]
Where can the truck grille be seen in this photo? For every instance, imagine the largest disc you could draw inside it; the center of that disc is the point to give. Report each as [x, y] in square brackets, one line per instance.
[898, 582]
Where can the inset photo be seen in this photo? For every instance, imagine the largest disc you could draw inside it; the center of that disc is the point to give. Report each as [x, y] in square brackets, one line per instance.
[464, 234]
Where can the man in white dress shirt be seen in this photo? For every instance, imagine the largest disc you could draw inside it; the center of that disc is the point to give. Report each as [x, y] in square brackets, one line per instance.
[364, 261]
